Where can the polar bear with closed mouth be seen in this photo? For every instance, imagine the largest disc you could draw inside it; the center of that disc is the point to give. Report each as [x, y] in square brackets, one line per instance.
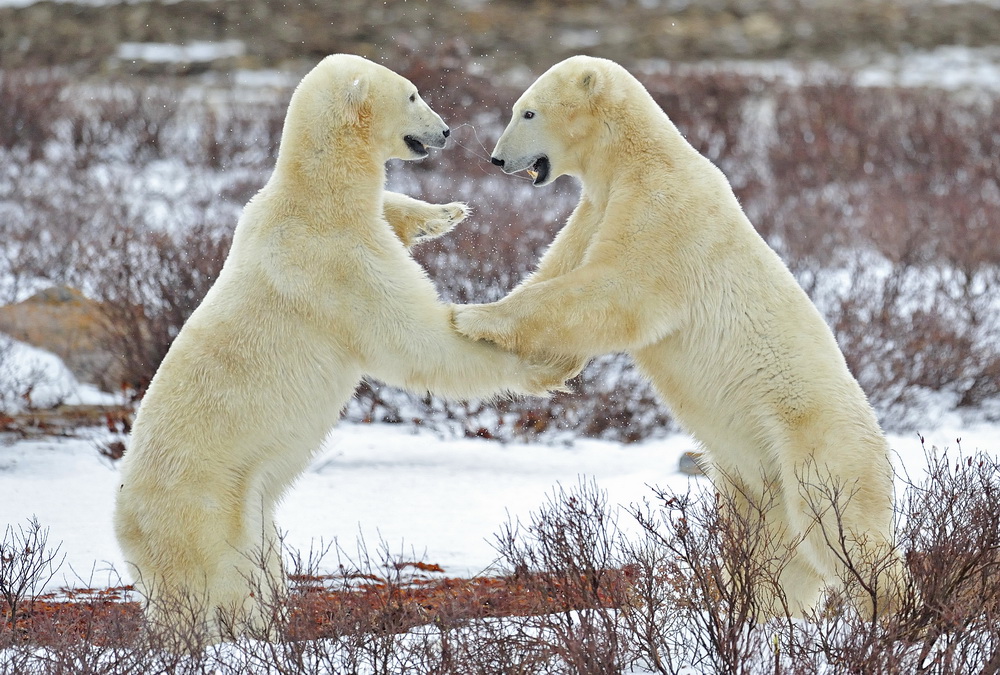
[317, 291]
[658, 260]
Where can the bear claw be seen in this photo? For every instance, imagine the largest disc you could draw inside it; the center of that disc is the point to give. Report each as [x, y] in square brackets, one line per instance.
[449, 215]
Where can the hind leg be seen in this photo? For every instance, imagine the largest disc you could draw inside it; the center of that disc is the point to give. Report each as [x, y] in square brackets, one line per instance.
[765, 546]
[168, 563]
[248, 590]
[845, 523]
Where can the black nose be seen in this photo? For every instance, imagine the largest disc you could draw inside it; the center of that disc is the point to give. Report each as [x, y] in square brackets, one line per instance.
[497, 161]
[447, 133]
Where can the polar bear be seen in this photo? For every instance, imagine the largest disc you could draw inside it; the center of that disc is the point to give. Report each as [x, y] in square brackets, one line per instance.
[317, 291]
[658, 260]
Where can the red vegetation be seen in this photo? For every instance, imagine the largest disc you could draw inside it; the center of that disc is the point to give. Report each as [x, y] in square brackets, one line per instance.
[318, 611]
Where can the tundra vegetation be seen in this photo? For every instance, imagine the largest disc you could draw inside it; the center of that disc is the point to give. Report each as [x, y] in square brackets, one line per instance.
[882, 201]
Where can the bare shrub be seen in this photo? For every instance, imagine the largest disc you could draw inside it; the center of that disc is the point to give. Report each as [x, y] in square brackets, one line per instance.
[721, 563]
[40, 235]
[899, 172]
[570, 552]
[27, 564]
[680, 594]
[376, 640]
[908, 331]
[368, 618]
[947, 621]
[148, 284]
[509, 645]
[228, 134]
[29, 109]
[126, 122]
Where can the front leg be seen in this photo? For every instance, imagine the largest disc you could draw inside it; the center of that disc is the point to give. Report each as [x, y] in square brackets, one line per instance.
[592, 310]
[499, 322]
[490, 322]
[416, 221]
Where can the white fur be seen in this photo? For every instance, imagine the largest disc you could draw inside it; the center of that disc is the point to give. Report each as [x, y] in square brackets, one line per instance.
[317, 291]
[658, 260]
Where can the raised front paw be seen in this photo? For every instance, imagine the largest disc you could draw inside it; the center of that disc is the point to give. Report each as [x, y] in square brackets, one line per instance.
[483, 322]
[446, 217]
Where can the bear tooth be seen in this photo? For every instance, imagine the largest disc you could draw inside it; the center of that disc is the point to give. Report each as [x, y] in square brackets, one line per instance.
[533, 174]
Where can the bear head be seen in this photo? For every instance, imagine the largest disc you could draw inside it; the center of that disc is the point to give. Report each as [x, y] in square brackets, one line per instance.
[350, 100]
[561, 118]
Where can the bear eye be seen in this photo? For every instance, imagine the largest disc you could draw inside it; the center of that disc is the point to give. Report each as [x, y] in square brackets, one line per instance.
[413, 97]
[528, 114]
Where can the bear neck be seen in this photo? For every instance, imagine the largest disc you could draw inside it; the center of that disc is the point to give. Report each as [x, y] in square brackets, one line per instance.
[638, 144]
[321, 169]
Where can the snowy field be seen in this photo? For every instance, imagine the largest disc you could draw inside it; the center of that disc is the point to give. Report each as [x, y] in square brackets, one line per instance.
[427, 498]
[420, 496]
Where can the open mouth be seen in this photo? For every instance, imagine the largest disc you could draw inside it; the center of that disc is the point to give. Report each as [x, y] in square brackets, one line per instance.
[415, 146]
[539, 171]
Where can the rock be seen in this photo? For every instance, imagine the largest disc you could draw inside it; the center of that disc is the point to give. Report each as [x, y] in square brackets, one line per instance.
[64, 321]
[55, 295]
[691, 463]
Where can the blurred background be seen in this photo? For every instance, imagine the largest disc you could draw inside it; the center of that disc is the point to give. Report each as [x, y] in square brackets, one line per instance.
[862, 138]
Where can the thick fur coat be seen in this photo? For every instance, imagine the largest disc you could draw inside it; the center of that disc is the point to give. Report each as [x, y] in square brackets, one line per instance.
[658, 260]
[317, 291]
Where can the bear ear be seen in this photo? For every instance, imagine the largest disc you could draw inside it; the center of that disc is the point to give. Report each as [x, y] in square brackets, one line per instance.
[357, 90]
[590, 81]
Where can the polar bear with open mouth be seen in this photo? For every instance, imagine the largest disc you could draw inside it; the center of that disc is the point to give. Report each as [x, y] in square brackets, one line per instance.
[658, 260]
[318, 290]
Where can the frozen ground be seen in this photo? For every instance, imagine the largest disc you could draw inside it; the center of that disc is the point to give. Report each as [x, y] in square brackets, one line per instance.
[429, 499]
[49, 380]
[198, 50]
[954, 68]
[437, 500]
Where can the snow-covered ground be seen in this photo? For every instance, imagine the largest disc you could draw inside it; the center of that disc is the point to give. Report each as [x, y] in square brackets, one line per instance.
[429, 499]
[437, 500]
[26, 368]
[197, 50]
[955, 68]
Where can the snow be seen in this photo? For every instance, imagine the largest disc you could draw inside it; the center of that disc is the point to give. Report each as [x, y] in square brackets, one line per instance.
[437, 500]
[950, 67]
[44, 374]
[953, 68]
[195, 51]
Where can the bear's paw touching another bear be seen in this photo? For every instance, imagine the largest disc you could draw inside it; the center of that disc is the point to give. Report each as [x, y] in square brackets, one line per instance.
[659, 260]
[318, 290]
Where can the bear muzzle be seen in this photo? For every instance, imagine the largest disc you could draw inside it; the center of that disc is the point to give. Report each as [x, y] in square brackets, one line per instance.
[538, 167]
[418, 144]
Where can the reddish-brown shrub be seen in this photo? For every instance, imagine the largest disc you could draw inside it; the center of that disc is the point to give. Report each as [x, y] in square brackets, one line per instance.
[845, 182]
